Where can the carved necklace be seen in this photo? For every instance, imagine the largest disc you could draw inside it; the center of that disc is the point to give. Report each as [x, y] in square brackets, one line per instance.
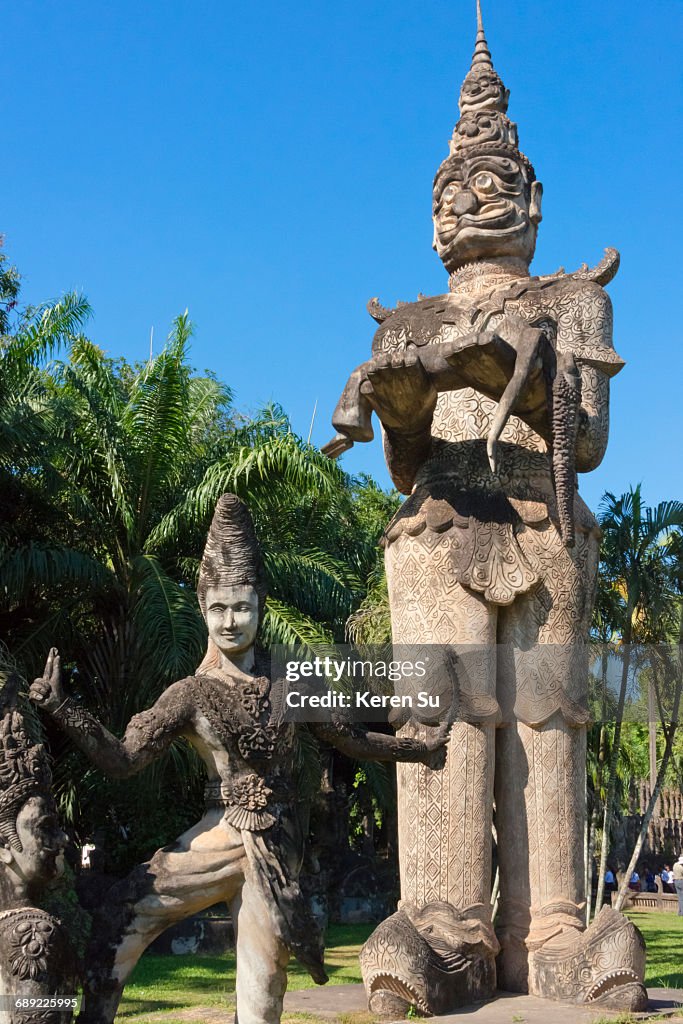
[486, 275]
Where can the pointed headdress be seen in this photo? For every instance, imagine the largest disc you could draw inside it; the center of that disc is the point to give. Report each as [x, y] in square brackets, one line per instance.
[484, 126]
[24, 766]
[232, 556]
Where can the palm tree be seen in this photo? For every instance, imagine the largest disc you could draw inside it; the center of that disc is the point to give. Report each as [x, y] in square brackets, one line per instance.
[123, 471]
[639, 545]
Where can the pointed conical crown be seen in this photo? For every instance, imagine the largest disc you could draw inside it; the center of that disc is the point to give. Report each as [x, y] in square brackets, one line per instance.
[483, 123]
[232, 556]
[24, 766]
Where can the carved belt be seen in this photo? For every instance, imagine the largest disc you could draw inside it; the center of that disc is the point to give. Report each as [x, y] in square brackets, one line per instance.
[245, 799]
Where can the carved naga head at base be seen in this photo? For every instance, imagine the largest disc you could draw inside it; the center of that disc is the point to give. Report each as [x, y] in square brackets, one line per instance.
[433, 958]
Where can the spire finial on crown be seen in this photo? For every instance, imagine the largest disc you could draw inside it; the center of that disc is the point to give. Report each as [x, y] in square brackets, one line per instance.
[482, 54]
[483, 107]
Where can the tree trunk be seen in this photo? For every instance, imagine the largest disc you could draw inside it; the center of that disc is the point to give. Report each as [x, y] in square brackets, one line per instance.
[592, 836]
[614, 759]
[595, 813]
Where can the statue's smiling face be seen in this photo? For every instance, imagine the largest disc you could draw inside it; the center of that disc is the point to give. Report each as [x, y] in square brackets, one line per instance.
[483, 91]
[483, 209]
[232, 617]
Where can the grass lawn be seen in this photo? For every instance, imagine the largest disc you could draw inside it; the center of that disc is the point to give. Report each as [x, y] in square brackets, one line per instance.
[163, 984]
[165, 988]
[663, 934]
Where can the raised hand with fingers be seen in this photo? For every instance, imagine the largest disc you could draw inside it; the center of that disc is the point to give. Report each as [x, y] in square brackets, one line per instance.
[47, 690]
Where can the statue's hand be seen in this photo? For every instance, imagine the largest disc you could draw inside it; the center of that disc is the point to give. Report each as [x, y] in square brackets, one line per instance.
[435, 754]
[47, 691]
[400, 391]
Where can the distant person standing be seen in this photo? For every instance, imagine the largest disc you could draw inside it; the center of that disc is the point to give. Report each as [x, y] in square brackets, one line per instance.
[667, 879]
[678, 883]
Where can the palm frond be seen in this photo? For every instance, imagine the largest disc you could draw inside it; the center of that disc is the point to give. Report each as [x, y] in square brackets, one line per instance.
[167, 619]
[283, 624]
[38, 568]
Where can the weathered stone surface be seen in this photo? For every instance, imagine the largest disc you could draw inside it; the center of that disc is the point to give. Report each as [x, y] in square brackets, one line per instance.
[36, 958]
[492, 397]
[433, 958]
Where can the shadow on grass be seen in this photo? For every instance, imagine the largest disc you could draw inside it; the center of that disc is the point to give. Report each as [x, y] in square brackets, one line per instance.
[161, 984]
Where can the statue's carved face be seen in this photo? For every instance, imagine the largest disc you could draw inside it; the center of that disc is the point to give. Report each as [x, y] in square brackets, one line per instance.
[232, 617]
[483, 91]
[42, 842]
[485, 209]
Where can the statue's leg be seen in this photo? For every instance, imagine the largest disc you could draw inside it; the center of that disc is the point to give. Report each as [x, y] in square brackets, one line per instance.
[261, 960]
[425, 955]
[541, 749]
[205, 866]
[540, 792]
[540, 809]
[445, 816]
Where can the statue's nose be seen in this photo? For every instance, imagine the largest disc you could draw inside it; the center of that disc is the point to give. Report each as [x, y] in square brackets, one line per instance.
[464, 202]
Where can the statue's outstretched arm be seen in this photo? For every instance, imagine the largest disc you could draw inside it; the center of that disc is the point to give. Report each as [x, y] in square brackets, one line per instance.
[404, 398]
[405, 451]
[363, 745]
[148, 734]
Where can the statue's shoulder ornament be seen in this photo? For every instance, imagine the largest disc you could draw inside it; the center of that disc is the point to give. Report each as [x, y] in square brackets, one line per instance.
[431, 320]
[572, 308]
[602, 273]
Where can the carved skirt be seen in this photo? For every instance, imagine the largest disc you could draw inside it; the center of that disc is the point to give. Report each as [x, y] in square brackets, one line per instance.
[498, 541]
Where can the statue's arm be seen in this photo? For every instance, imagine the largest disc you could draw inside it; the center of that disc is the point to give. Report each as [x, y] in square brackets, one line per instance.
[363, 745]
[585, 326]
[404, 398]
[148, 734]
[405, 451]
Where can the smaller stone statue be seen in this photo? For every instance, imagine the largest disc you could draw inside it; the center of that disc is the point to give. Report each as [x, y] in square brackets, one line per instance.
[248, 846]
[38, 971]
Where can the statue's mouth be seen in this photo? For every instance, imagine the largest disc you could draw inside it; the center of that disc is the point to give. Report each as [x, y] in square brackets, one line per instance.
[384, 981]
[499, 218]
[494, 217]
[612, 980]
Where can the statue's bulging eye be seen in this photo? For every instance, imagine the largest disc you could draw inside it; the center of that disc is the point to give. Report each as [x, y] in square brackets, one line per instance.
[484, 183]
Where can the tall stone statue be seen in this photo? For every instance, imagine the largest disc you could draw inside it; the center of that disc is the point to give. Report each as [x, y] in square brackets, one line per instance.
[491, 398]
[38, 972]
[248, 846]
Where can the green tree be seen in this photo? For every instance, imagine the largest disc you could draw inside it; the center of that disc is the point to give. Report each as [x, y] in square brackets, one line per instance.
[115, 472]
[639, 566]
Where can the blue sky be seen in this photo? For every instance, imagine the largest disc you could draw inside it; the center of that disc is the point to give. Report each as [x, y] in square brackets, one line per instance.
[269, 167]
